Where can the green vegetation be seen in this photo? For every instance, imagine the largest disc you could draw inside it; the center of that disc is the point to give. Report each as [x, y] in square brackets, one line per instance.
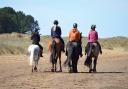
[12, 21]
[115, 42]
[16, 43]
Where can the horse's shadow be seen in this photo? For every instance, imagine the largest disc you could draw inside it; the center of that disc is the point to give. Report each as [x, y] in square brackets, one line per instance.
[103, 72]
[111, 72]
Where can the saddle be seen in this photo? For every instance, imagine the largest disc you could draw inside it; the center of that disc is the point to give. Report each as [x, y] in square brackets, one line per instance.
[94, 45]
[88, 46]
[50, 43]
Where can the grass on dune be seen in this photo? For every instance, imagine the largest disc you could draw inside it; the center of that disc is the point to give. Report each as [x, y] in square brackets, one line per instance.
[18, 43]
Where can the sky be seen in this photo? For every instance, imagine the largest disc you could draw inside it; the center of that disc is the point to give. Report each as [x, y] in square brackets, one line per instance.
[110, 16]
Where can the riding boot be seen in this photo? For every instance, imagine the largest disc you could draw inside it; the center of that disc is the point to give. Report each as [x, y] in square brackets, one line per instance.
[63, 50]
[99, 47]
[41, 53]
[63, 45]
[66, 53]
[100, 51]
[81, 52]
[86, 48]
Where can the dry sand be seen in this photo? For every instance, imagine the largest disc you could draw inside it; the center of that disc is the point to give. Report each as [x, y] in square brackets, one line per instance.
[112, 73]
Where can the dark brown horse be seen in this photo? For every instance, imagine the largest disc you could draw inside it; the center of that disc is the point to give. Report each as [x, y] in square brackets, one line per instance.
[73, 51]
[55, 49]
[91, 60]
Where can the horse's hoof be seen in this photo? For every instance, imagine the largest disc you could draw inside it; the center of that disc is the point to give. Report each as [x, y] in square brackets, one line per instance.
[90, 71]
[75, 71]
[60, 70]
[35, 68]
[52, 70]
[70, 71]
[94, 70]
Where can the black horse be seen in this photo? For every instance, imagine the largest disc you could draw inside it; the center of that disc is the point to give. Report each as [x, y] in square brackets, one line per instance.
[73, 51]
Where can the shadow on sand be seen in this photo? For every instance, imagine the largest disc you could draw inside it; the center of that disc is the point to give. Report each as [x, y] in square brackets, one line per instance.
[87, 72]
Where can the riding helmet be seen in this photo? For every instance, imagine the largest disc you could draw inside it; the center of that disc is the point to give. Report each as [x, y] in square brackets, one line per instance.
[75, 25]
[93, 26]
[55, 22]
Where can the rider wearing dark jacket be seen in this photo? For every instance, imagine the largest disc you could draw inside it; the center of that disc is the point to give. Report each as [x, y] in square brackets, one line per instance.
[56, 32]
[35, 37]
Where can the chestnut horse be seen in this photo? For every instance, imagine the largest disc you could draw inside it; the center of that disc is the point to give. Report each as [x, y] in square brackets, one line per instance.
[55, 49]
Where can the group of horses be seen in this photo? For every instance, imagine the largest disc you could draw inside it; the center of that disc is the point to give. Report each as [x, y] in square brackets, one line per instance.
[72, 53]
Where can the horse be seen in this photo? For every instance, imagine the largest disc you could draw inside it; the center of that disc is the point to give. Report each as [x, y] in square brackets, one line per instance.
[55, 49]
[91, 60]
[73, 51]
[34, 56]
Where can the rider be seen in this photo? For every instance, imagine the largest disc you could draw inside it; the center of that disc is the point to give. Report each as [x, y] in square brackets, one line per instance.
[56, 33]
[35, 37]
[92, 38]
[74, 36]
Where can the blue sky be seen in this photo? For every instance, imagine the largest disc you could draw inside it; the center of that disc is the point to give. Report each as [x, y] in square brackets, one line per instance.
[110, 16]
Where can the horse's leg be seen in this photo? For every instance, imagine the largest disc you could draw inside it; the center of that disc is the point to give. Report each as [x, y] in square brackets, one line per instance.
[55, 63]
[75, 66]
[55, 67]
[95, 62]
[32, 68]
[69, 60]
[70, 68]
[52, 68]
[69, 64]
[60, 62]
[52, 61]
[31, 64]
[90, 66]
[35, 68]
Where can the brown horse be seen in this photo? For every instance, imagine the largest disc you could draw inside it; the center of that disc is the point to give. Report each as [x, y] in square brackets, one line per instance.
[55, 49]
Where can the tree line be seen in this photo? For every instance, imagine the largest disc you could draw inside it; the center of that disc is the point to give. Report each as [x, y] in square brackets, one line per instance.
[16, 21]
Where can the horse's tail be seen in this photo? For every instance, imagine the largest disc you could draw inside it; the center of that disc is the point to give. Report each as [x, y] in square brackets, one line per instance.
[69, 50]
[54, 52]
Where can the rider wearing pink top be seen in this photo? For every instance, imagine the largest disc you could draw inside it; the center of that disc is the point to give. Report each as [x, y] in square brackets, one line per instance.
[93, 36]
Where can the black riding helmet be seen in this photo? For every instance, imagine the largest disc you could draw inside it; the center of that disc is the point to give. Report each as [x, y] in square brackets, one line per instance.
[75, 25]
[35, 31]
[55, 22]
[93, 26]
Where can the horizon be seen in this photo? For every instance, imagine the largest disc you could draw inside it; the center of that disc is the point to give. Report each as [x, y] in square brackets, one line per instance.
[110, 17]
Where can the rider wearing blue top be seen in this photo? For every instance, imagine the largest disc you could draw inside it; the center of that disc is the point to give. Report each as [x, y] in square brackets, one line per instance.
[56, 33]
